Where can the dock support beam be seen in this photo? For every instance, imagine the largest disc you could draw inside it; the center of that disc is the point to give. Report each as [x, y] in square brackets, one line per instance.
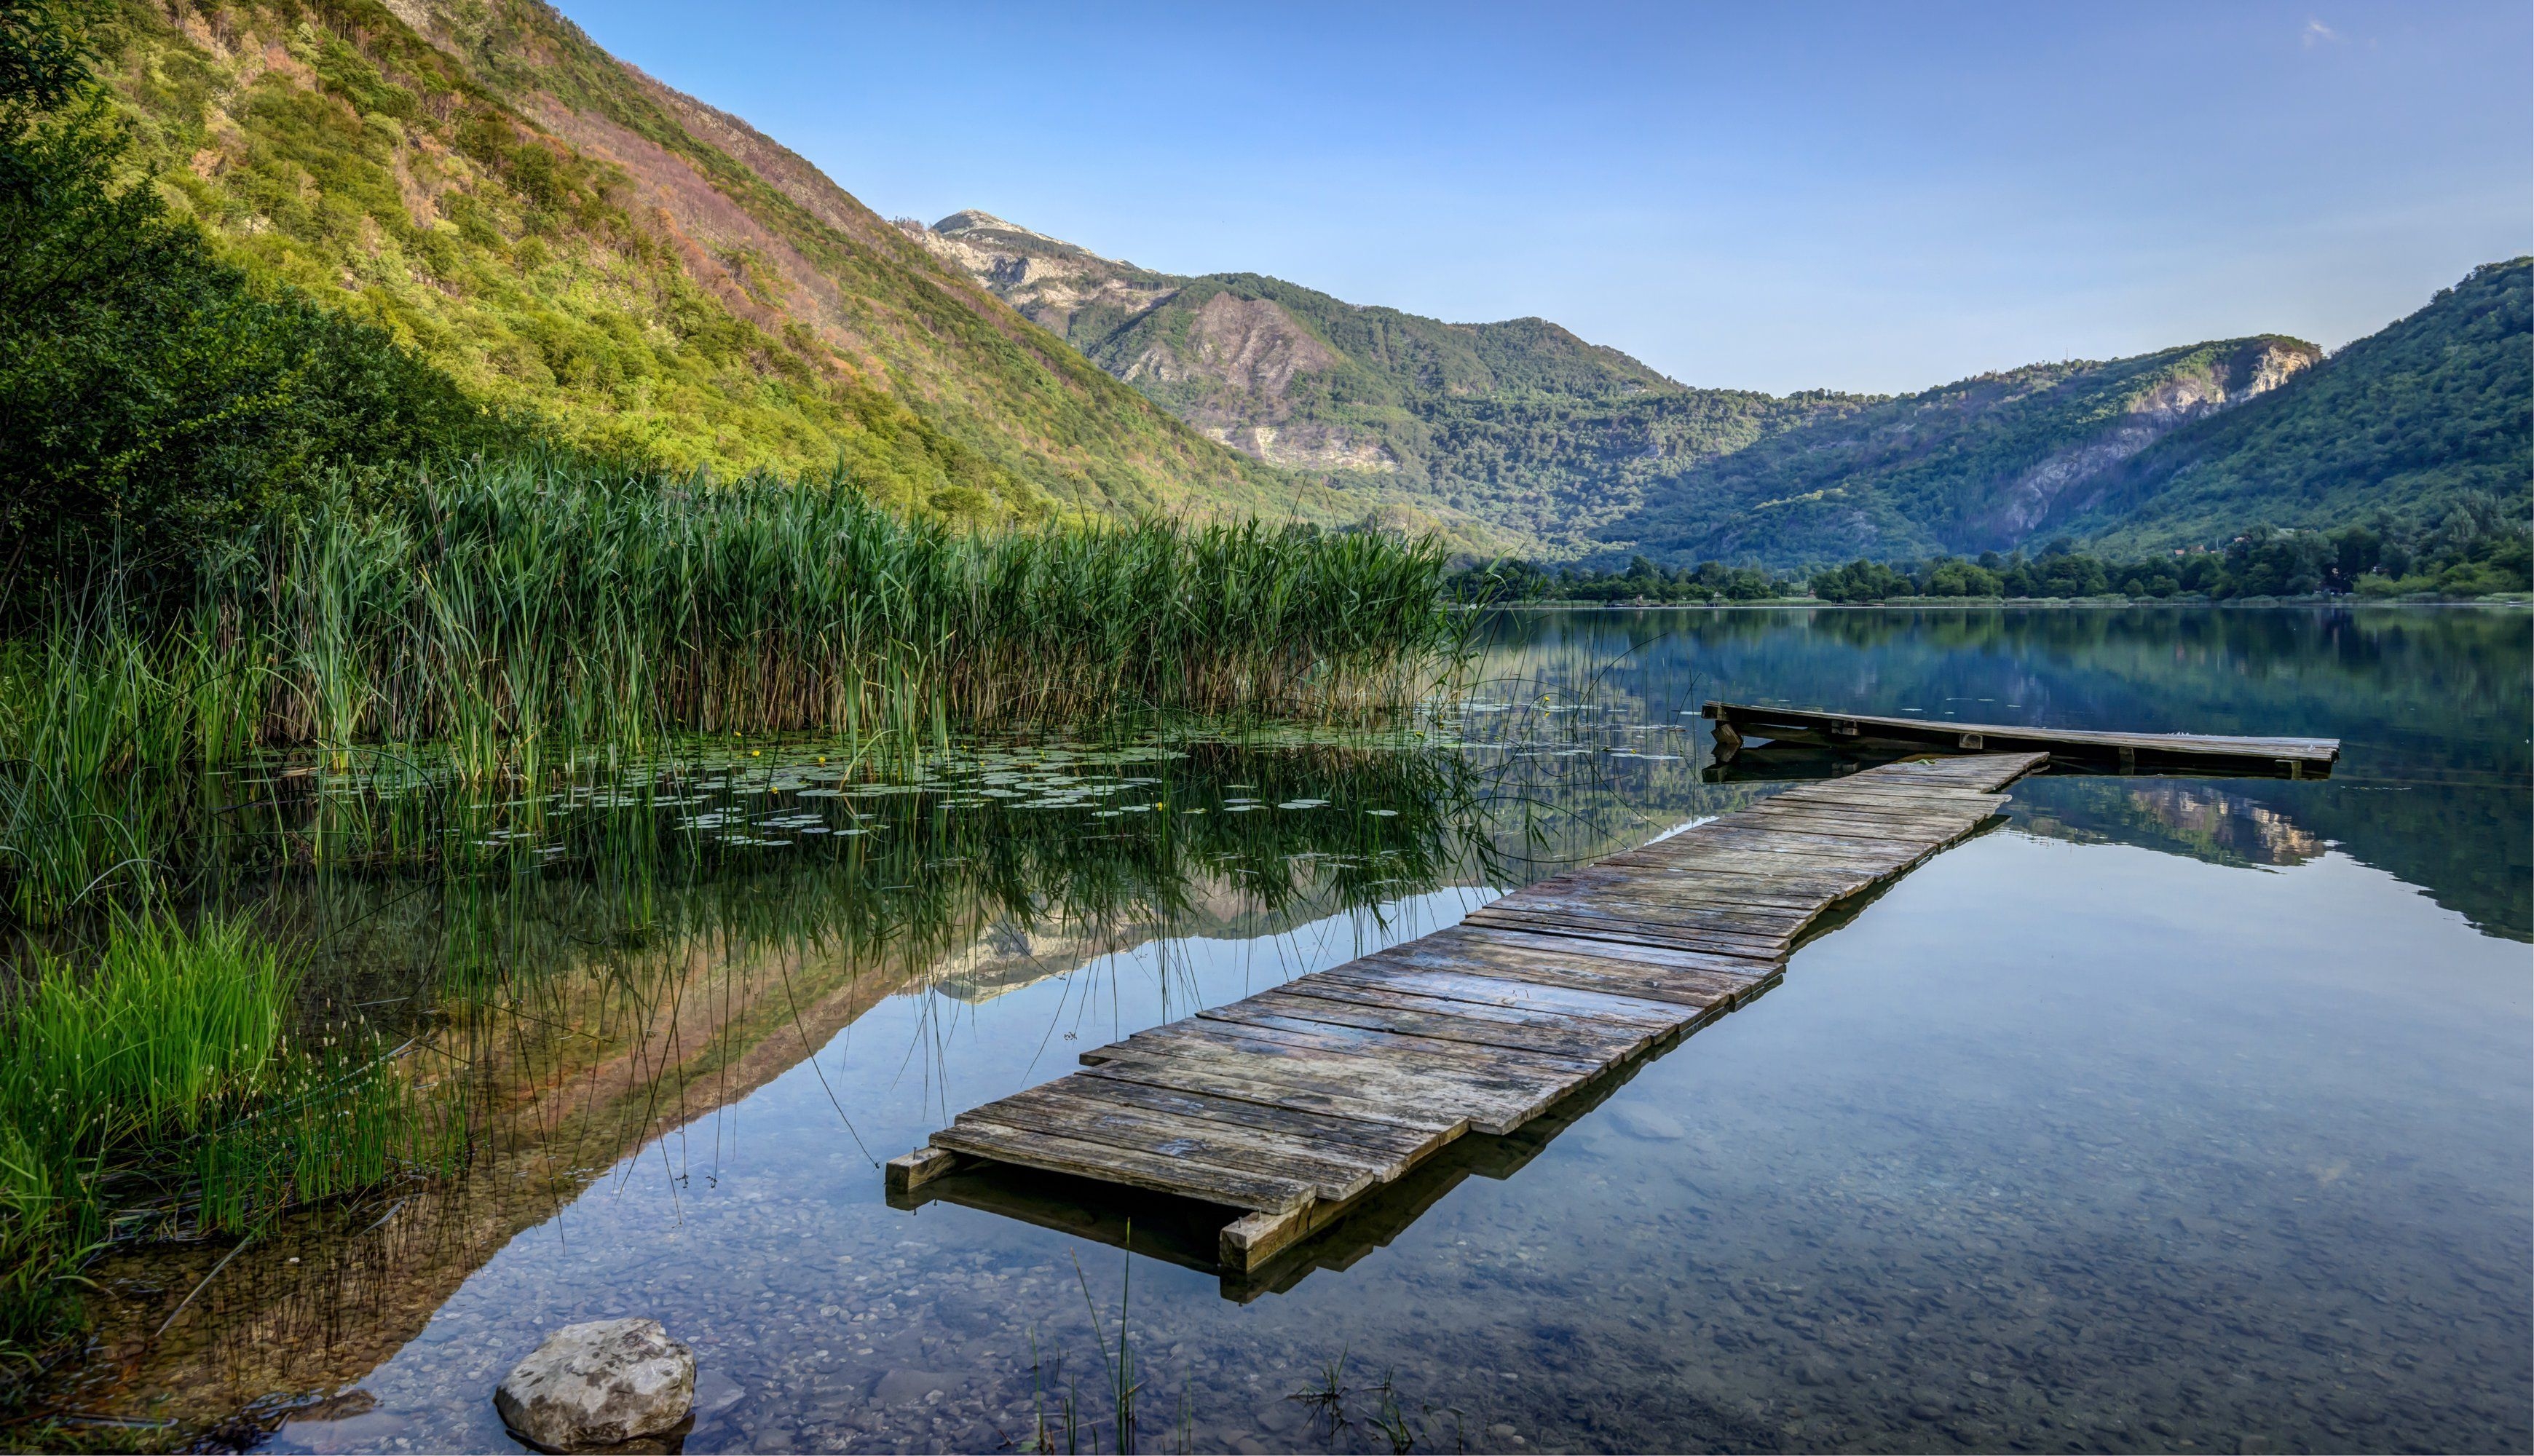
[921, 1166]
[1246, 1243]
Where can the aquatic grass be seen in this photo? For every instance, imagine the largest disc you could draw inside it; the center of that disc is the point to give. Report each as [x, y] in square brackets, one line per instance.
[534, 606]
[160, 1090]
[171, 1025]
[538, 613]
[1119, 1362]
[167, 1029]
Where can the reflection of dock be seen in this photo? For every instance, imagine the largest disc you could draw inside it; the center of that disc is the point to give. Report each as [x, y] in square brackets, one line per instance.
[2071, 748]
[1301, 1106]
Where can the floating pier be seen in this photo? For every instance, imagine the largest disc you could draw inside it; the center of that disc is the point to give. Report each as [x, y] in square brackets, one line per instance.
[1291, 1108]
[2068, 747]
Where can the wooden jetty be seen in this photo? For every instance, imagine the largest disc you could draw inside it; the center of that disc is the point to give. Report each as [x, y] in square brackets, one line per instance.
[1293, 1107]
[2068, 747]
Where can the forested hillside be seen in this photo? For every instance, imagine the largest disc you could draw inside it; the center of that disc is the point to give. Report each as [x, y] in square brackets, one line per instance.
[1568, 451]
[1985, 463]
[1520, 425]
[2431, 416]
[647, 277]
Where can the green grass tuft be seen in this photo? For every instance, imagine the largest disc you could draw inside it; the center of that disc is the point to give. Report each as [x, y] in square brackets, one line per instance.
[159, 1091]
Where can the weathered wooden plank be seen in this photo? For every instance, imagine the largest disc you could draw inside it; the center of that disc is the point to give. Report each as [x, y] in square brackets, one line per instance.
[1331, 1170]
[1808, 818]
[1386, 1142]
[1500, 990]
[1695, 992]
[1682, 979]
[1765, 932]
[1367, 1081]
[1889, 792]
[1408, 1073]
[1514, 941]
[1574, 1013]
[1463, 1013]
[1234, 1083]
[1615, 927]
[1442, 1060]
[1186, 1177]
[1721, 906]
[1305, 1014]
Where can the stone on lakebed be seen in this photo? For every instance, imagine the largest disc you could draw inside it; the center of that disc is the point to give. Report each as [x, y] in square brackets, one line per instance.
[598, 1384]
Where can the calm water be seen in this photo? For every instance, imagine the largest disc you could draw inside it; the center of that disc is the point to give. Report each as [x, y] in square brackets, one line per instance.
[2176, 1113]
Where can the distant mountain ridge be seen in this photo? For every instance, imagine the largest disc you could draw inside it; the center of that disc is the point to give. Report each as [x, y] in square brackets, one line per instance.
[1569, 449]
[1520, 425]
[1985, 463]
[2181, 448]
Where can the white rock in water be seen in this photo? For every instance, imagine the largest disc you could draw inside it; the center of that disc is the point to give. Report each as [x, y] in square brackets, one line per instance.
[599, 1384]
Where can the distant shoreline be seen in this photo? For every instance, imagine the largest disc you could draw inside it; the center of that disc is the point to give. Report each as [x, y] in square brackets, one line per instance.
[2519, 601]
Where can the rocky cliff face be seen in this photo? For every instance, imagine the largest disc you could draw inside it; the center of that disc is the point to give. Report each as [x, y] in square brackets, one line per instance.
[2070, 480]
[1224, 360]
[1049, 280]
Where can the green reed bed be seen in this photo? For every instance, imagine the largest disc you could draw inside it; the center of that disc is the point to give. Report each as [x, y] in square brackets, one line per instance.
[531, 607]
[505, 618]
[156, 1086]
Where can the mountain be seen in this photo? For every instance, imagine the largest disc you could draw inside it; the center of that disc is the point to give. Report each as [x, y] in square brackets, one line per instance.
[1565, 449]
[1984, 463]
[564, 235]
[1520, 425]
[2427, 416]
[644, 275]
[2187, 446]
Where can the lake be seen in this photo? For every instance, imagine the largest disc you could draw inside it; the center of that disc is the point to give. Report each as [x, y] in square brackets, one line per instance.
[2173, 1114]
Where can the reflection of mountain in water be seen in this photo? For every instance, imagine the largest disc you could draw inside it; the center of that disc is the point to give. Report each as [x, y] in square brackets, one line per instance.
[602, 1058]
[2196, 818]
[2430, 704]
[1013, 955]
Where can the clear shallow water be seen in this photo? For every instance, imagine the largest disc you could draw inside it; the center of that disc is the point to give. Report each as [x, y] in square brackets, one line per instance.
[2171, 1115]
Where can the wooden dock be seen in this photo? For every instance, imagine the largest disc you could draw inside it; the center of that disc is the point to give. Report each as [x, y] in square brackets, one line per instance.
[2068, 747]
[1291, 1107]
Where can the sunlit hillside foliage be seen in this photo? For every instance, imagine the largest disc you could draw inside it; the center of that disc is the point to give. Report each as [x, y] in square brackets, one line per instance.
[652, 280]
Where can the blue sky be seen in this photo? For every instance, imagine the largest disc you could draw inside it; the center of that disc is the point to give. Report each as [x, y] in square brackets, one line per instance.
[1862, 197]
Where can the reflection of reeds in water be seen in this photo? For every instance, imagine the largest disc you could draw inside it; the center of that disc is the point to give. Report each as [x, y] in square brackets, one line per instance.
[595, 962]
[579, 1010]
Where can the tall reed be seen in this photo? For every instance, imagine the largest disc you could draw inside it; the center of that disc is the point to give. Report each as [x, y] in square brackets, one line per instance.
[539, 610]
[534, 606]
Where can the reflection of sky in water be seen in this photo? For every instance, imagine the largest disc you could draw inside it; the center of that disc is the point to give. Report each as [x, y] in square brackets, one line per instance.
[2058, 1144]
